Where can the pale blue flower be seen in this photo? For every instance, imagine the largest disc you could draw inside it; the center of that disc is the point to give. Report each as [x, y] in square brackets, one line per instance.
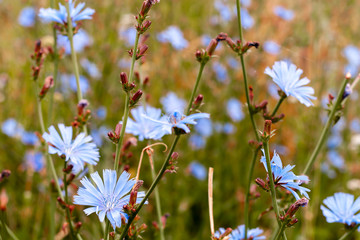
[128, 35]
[60, 16]
[246, 3]
[141, 126]
[172, 103]
[206, 39]
[239, 233]
[336, 159]
[81, 40]
[355, 125]
[69, 82]
[352, 69]
[227, 128]
[341, 208]
[197, 142]
[100, 134]
[247, 21]
[233, 62]
[224, 10]
[220, 71]
[287, 77]
[90, 68]
[29, 138]
[108, 197]
[204, 127]
[174, 36]
[285, 178]
[197, 170]
[79, 151]
[284, 13]
[101, 112]
[12, 128]
[325, 168]
[352, 54]
[334, 141]
[27, 17]
[34, 161]
[234, 109]
[271, 47]
[176, 121]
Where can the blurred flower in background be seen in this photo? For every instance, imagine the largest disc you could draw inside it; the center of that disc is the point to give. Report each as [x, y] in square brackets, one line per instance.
[27, 17]
[271, 47]
[172, 103]
[197, 170]
[234, 109]
[81, 40]
[283, 13]
[174, 36]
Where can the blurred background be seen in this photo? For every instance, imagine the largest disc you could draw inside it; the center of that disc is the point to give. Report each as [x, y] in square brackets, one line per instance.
[320, 37]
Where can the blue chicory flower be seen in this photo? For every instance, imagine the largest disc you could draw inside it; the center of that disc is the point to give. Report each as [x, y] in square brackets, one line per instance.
[224, 10]
[60, 16]
[287, 77]
[283, 13]
[234, 110]
[172, 103]
[336, 159]
[108, 197]
[69, 82]
[204, 127]
[141, 126]
[341, 208]
[285, 178]
[220, 71]
[174, 36]
[271, 47]
[29, 138]
[79, 151]
[34, 161]
[247, 21]
[12, 128]
[101, 112]
[27, 17]
[197, 142]
[197, 170]
[239, 233]
[90, 68]
[355, 125]
[352, 54]
[128, 35]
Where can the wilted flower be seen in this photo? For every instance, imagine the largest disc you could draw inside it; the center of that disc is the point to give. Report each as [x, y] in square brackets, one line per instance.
[60, 16]
[79, 151]
[285, 178]
[108, 197]
[239, 233]
[287, 77]
[341, 208]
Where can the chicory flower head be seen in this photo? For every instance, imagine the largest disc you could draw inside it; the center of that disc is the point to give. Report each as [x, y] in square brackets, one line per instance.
[234, 110]
[285, 178]
[27, 17]
[287, 77]
[341, 208]
[77, 13]
[239, 233]
[79, 151]
[108, 197]
[174, 36]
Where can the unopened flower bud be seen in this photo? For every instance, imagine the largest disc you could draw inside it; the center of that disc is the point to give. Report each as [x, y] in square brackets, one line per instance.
[267, 128]
[211, 47]
[146, 25]
[295, 207]
[37, 46]
[136, 97]
[221, 37]
[78, 225]
[292, 222]
[146, 7]
[348, 75]
[123, 78]
[347, 91]
[146, 81]
[118, 129]
[262, 184]
[175, 155]
[3, 200]
[198, 55]
[249, 45]
[61, 202]
[68, 168]
[82, 105]
[70, 178]
[142, 50]
[231, 44]
[133, 197]
[49, 83]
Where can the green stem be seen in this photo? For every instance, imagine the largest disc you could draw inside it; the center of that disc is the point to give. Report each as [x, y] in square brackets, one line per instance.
[122, 133]
[9, 231]
[349, 233]
[278, 105]
[272, 184]
[72, 234]
[158, 205]
[107, 230]
[326, 129]
[152, 187]
[133, 58]
[280, 232]
[247, 196]
[201, 69]
[238, 7]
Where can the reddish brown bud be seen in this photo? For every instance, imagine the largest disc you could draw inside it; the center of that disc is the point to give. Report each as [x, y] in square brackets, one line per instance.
[231, 43]
[70, 178]
[3, 200]
[4, 174]
[262, 184]
[198, 55]
[68, 168]
[49, 83]
[37, 46]
[212, 46]
[78, 225]
[295, 207]
[267, 127]
[123, 78]
[136, 97]
[146, 81]
[142, 50]
[175, 155]
[82, 105]
[222, 36]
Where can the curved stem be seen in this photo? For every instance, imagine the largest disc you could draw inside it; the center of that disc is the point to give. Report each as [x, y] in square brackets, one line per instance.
[202, 65]
[278, 105]
[349, 233]
[326, 128]
[122, 133]
[247, 196]
[152, 187]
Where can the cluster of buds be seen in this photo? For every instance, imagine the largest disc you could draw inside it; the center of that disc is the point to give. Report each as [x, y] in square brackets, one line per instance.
[38, 57]
[238, 47]
[145, 8]
[64, 205]
[114, 136]
[140, 52]
[171, 167]
[49, 83]
[203, 56]
[288, 219]
[223, 236]
[125, 83]
[63, 28]
[83, 115]
[197, 103]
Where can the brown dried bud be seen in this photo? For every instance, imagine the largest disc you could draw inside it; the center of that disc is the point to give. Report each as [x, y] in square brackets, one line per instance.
[231, 43]
[136, 97]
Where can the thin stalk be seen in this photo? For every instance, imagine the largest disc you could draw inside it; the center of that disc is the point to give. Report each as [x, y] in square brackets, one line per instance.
[272, 185]
[107, 230]
[126, 107]
[247, 196]
[158, 205]
[9, 231]
[278, 105]
[201, 69]
[326, 128]
[48, 157]
[72, 234]
[152, 187]
[122, 133]
[238, 7]
[280, 232]
[52, 218]
[349, 233]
